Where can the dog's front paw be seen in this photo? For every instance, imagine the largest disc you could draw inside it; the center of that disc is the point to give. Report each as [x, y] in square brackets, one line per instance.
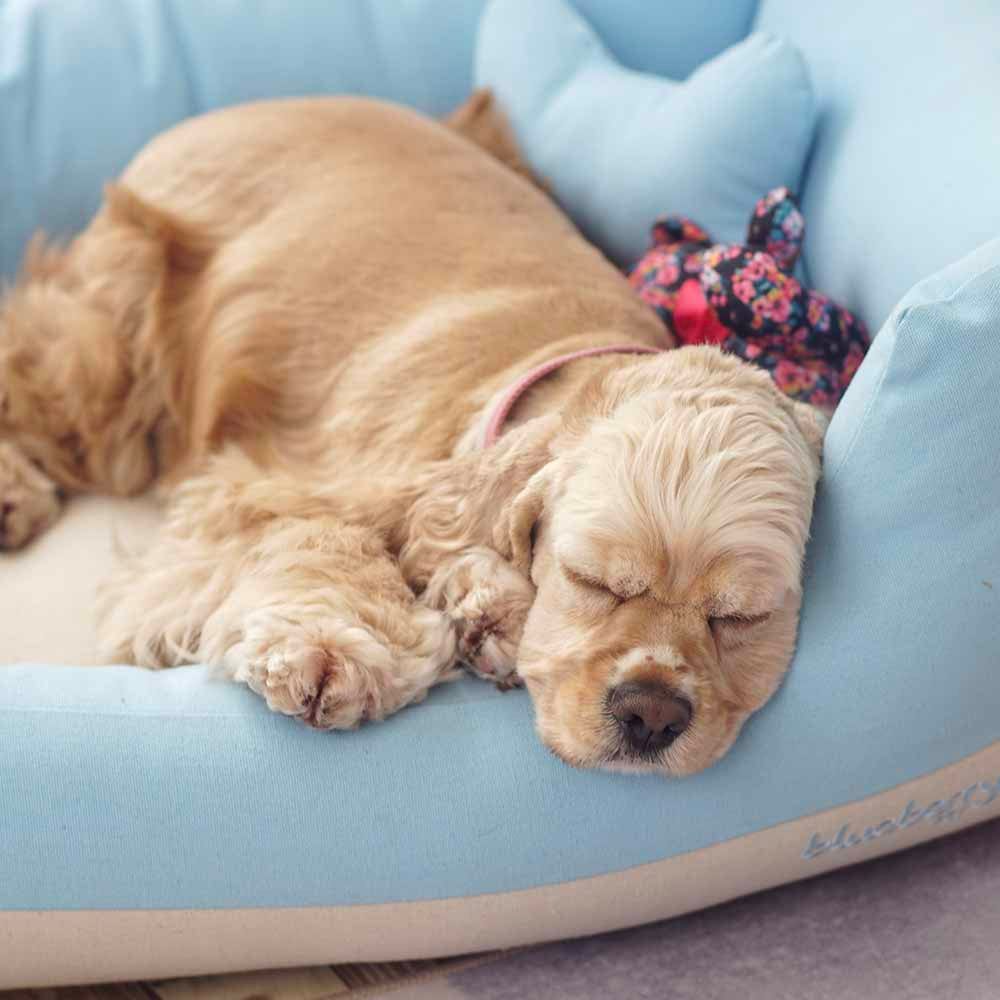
[29, 500]
[333, 678]
[488, 601]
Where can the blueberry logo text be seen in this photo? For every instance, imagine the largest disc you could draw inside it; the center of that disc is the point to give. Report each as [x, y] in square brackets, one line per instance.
[977, 796]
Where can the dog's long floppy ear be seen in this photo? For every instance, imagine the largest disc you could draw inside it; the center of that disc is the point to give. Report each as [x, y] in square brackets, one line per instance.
[813, 424]
[512, 533]
[491, 498]
[810, 422]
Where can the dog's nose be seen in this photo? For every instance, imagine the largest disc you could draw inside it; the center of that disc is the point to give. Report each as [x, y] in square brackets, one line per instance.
[649, 715]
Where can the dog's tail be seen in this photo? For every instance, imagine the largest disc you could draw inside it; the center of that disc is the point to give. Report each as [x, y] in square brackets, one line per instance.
[481, 121]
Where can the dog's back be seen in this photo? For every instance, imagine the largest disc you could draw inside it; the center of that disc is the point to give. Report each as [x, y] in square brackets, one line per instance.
[368, 268]
[333, 281]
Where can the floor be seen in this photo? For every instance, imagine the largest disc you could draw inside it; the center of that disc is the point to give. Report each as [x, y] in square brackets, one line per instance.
[316, 983]
[918, 925]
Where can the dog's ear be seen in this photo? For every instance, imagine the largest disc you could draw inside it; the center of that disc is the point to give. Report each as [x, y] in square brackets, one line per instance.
[512, 533]
[490, 498]
[812, 423]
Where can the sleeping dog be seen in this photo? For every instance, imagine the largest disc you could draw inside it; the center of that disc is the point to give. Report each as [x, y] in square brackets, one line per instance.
[406, 418]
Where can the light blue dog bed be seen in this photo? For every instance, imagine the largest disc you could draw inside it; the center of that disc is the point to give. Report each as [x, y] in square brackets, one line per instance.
[164, 824]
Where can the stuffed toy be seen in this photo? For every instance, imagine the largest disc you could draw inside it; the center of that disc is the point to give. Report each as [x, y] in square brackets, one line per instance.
[747, 300]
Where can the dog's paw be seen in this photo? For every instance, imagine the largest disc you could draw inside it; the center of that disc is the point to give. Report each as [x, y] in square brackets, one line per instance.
[329, 681]
[29, 500]
[488, 601]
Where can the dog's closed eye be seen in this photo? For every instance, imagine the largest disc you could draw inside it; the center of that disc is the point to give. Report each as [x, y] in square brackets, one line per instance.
[589, 582]
[736, 621]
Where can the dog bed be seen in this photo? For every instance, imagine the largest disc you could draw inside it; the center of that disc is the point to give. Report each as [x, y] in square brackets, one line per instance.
[159, 824]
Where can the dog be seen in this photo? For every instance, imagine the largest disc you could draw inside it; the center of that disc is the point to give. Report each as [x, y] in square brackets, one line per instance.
[406, 419]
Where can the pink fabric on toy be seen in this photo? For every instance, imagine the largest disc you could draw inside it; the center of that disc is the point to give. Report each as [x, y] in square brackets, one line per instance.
[748, 300]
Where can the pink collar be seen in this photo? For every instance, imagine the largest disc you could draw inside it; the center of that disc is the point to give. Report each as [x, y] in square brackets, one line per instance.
[509, 399]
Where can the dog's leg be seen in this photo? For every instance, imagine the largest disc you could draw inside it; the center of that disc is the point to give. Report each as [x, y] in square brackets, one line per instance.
[329, 633]
[90, 360]
[62, 385]
[488, 601]
[258, 577]
[29, 500]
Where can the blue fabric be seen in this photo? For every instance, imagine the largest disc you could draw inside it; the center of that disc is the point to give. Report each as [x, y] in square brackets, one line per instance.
[81, 94]
[121, 788]
[84, 85]
[620, 148]
[903, 176]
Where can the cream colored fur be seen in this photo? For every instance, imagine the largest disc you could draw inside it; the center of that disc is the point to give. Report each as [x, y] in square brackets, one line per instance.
[294, 317]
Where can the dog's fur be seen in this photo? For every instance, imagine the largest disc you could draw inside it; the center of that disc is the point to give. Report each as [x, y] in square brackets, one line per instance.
[297, 316]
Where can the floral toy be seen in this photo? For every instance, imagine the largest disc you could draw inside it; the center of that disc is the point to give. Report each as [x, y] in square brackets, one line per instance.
[747, 300]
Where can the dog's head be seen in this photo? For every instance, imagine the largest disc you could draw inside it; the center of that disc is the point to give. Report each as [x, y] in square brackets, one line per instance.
[665, 535]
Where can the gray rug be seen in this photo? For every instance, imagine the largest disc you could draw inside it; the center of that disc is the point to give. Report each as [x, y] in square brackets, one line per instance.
[921, 924]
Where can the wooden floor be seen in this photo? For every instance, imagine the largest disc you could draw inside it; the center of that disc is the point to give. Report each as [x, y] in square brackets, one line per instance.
[315, 983]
